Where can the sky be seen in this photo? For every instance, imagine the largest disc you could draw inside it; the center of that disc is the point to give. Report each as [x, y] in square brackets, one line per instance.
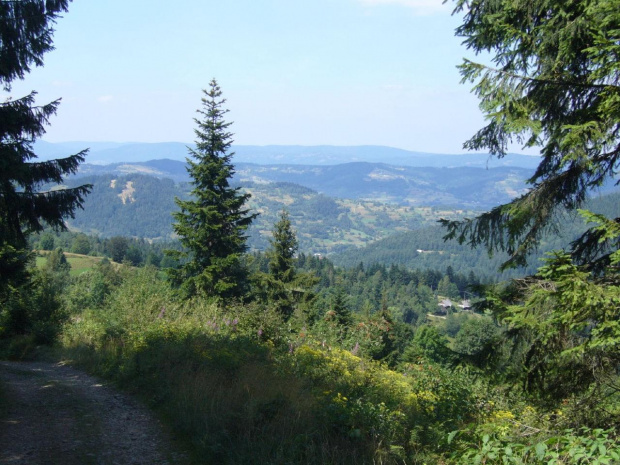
[294, 72]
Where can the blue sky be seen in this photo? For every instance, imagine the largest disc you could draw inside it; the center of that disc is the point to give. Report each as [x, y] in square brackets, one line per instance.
[319, 72]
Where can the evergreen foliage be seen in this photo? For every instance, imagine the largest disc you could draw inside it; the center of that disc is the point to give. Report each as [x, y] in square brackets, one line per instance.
[283, 249]
[25, 35]
[340, 307]
[212, 224]
[568, 328]
[25, 208]
[283, 286]
[554, 85]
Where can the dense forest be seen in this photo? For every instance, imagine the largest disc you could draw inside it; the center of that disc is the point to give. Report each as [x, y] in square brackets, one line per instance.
[322, 220]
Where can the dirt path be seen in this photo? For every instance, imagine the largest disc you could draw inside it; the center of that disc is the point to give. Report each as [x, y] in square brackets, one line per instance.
[54, 414]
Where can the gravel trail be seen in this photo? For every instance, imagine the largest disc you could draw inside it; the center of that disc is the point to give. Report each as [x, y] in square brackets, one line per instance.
[53, 414]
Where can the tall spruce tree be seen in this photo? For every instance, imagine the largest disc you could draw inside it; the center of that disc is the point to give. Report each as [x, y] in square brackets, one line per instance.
[280, 282]
[212, 224]
[25, 35]
[555, 85]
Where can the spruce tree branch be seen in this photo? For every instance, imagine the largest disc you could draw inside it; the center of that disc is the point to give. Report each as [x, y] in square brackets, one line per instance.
[545, 81]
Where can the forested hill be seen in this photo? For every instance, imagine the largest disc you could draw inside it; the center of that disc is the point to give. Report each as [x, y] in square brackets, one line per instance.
[425, 248]
[141, 206]
[461, 187]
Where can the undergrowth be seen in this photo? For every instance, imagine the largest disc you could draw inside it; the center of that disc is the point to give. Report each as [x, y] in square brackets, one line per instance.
[245, 387]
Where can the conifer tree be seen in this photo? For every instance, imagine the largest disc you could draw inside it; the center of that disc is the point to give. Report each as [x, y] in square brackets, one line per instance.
[284, 287]
[212, 224]
[25, 35]
[277, 284]
[554, 84]
[340, 307]
[284, 246]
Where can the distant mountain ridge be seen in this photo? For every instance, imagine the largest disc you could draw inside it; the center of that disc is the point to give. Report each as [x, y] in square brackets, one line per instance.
[141, 206]
[113, 152]
[460, 187]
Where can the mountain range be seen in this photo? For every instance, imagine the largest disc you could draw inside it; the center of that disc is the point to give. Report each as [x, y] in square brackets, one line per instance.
[344, 200]
[102, 153]
[460, 187]
[141, 206]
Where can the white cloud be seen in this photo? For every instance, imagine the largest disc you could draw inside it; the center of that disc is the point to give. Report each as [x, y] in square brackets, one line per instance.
[105, 98]
[420, 7]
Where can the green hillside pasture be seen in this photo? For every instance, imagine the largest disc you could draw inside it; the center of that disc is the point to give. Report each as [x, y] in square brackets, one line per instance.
[326, 225]
[79, 263]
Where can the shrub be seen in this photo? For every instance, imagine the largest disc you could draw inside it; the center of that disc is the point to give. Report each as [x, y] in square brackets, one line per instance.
[365, 400]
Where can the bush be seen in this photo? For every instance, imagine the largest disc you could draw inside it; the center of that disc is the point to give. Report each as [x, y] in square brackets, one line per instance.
[383, 408]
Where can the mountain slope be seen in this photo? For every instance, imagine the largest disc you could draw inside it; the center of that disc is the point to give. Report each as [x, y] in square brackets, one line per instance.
[425, 248]
[141, 205]
[473, 188]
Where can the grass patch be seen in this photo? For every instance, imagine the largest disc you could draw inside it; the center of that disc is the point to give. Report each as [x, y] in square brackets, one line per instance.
[79, 263]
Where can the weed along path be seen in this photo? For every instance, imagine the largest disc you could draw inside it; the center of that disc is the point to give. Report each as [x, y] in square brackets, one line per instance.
[52, 414]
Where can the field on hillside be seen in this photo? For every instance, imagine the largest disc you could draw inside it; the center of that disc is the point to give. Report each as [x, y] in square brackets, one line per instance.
[79, 263]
